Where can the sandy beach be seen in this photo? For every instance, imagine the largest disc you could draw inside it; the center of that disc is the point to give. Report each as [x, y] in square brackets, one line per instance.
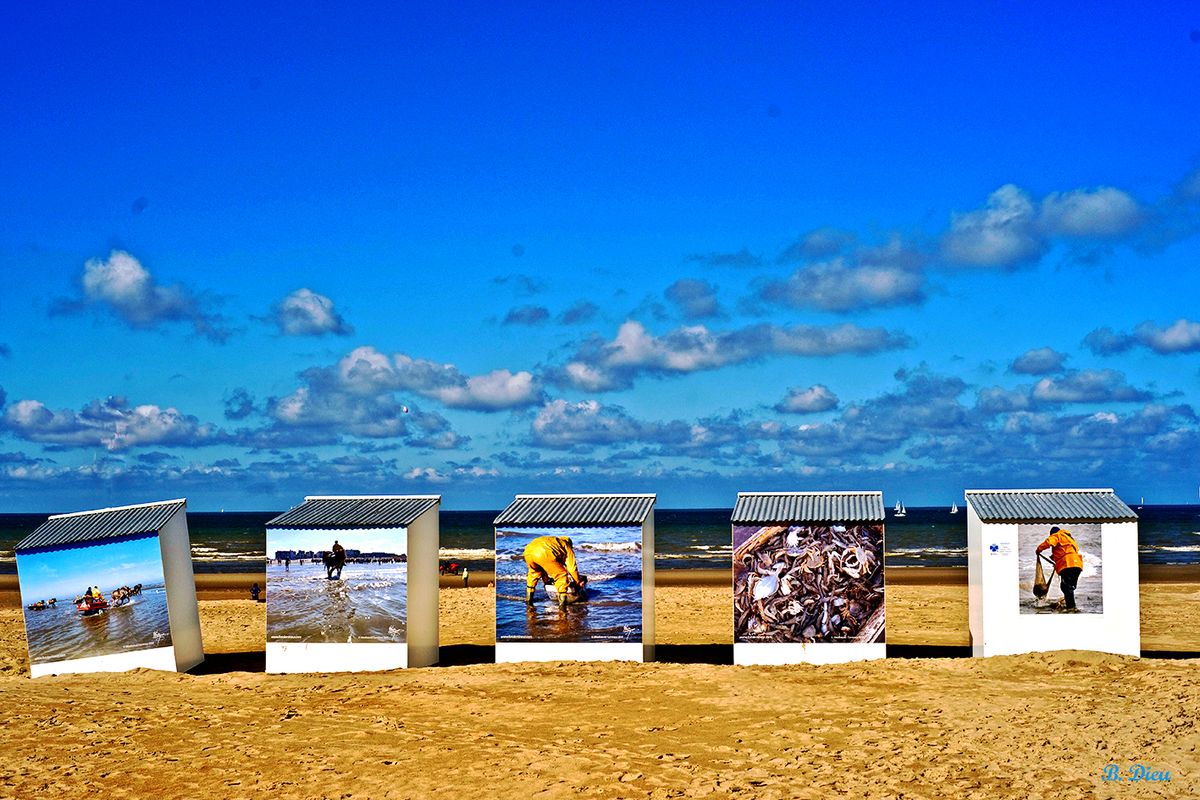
[1019, 726]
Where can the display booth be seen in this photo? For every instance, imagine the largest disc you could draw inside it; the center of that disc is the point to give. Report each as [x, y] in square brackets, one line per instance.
[575, 578]
[110, 590]
[1052, 569]
[808, 580]
[352, 584]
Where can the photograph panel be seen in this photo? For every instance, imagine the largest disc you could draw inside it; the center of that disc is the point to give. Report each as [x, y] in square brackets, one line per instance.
[808, 583]
[571, 584]
[1060, 568]
[96, 599]
[337, 586]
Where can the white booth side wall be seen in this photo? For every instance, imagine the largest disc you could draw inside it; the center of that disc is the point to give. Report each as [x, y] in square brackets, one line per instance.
[182, 608]
[423, 590]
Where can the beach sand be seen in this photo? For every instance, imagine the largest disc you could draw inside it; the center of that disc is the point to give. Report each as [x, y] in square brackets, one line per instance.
[1032, 726]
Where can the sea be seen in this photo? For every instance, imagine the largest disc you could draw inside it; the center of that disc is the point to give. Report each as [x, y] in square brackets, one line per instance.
[696, 538]
[367, 604]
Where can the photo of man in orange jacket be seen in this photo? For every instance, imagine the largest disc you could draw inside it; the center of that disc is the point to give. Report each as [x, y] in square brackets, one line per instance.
[551, 560]
[1068, 562]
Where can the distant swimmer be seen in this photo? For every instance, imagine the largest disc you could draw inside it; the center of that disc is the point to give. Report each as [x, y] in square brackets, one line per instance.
[1068, 562]
[551, 560]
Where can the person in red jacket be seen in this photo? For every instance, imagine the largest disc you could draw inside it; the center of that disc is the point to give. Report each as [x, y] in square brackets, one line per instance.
[1068, 561]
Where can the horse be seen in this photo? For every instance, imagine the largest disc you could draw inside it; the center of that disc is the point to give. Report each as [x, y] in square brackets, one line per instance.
[333, 561]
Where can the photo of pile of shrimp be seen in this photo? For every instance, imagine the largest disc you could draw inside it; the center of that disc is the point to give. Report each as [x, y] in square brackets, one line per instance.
[808, 583]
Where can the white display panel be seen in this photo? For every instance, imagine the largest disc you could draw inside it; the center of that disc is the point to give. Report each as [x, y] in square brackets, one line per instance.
[158, 658]
[574, 651]
[816, 653]
[322, 657]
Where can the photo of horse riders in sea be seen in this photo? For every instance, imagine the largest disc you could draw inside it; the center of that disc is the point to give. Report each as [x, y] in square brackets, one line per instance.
[348, 586]
[119, 605]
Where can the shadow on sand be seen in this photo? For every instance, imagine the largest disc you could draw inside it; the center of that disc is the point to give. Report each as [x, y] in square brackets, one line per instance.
[221, 663]
[461, 655]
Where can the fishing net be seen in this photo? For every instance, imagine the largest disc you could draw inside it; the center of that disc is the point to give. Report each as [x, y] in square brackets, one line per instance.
[1040, 585]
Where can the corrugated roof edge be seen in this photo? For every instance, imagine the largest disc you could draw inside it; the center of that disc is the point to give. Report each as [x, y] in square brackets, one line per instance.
[795, 494]
[745, 514]
[433, 501]
[615, 494]
[85, 543]
[1034, 491]
[118, 508]
[1130, 517]
[437, 497]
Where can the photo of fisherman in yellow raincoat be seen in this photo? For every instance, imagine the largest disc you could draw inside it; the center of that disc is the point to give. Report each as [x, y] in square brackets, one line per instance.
[580, 584]
[1054, 563]
[551, 561]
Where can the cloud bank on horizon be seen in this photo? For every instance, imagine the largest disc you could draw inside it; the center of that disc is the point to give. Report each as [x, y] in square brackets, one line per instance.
[615, 300]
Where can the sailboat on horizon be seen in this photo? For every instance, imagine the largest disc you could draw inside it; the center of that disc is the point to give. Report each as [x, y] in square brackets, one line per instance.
[954, 508]
[900, 510]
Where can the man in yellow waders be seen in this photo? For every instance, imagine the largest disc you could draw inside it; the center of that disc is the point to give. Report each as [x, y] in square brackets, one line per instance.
[1068, 562]
[551, 559]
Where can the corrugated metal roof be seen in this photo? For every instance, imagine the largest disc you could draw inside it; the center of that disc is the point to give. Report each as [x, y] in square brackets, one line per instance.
[107, 523]
[764, 507]
[1049, 505]
[576, 509]
[356, 512]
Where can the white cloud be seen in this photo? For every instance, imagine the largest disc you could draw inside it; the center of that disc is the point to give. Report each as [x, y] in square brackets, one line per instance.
[611, 365]
[862, 277]
[306, 313]
[1012, 229]
[1100, 213]
[814, 399]
[1039, 361]
[111, 423]
[493, 391]
[1181, 336]
[838, 286]
[365, 372]
[121, 284]
[1087, 386]
[1004, 233]
[560, 423]
[426, 475]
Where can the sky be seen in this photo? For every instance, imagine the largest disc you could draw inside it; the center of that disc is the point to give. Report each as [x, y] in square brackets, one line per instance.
[254, 253]
[390, 540]
[68, 573]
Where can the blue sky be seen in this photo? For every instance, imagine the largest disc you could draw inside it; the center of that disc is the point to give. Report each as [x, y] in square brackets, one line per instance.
[253, 254]
[391, 540]
[68, 573]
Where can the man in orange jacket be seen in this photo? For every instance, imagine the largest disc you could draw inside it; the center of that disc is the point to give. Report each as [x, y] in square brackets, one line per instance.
[551, 559]
[1068, 562]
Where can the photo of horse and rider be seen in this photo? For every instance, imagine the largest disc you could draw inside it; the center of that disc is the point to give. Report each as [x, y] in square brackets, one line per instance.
[1060, 569]
[337, 586]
